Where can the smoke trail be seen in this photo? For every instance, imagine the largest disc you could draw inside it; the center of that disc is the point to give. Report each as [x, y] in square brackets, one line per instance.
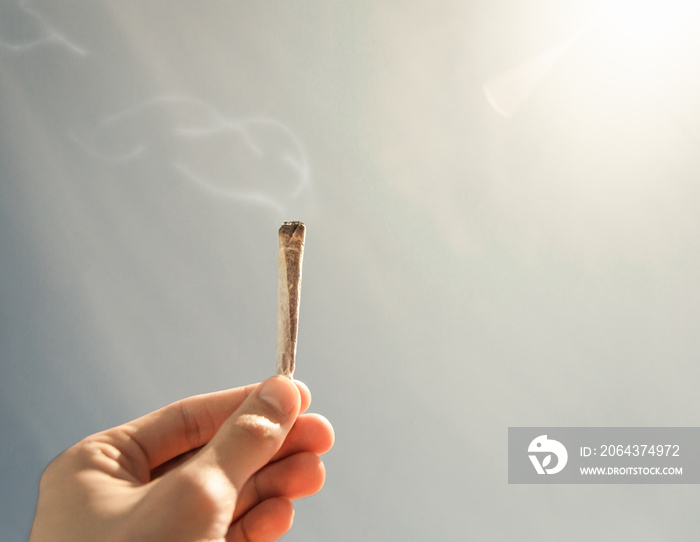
[50, 35]
[211, 187]
[210, 149]
[129, 156]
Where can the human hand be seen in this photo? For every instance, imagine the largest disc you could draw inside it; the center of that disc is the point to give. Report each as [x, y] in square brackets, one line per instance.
[223, 466]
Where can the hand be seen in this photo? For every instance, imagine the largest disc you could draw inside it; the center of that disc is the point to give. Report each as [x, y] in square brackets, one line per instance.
[215, 467]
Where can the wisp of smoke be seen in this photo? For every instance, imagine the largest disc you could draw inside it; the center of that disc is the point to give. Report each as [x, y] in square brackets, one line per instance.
[208, 147]
[49, 36]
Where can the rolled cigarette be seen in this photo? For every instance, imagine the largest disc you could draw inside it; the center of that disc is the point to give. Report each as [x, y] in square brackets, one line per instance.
[288, 294]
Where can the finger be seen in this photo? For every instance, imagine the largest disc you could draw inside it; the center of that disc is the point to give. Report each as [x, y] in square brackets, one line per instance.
[305, 395]
[267, 522]
[185, 424]
[254, 433]
[190, 423]
[311, 433]
[295, 477]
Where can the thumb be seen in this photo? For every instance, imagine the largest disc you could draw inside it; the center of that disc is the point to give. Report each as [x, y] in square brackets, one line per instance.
[252, 435]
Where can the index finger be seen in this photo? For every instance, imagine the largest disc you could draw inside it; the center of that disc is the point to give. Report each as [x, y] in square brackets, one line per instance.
[189, 423]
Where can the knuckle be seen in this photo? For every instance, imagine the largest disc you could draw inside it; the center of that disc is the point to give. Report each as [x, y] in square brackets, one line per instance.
[61, 467]
[207, 490]
[194, 424]
[258, 428]
[52, 471]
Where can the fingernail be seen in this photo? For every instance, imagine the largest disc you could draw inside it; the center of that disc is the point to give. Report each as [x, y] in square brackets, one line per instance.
[281, 393]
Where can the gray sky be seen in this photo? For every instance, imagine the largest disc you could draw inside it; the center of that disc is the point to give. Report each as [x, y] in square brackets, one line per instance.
[501, 201]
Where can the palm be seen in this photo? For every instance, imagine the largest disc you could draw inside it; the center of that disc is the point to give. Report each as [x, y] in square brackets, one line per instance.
[160, 472]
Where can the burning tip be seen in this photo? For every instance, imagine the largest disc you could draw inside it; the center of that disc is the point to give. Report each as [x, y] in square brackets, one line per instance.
[290, 230]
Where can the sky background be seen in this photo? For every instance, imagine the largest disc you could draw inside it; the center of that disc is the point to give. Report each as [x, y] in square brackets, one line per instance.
[501, 201]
